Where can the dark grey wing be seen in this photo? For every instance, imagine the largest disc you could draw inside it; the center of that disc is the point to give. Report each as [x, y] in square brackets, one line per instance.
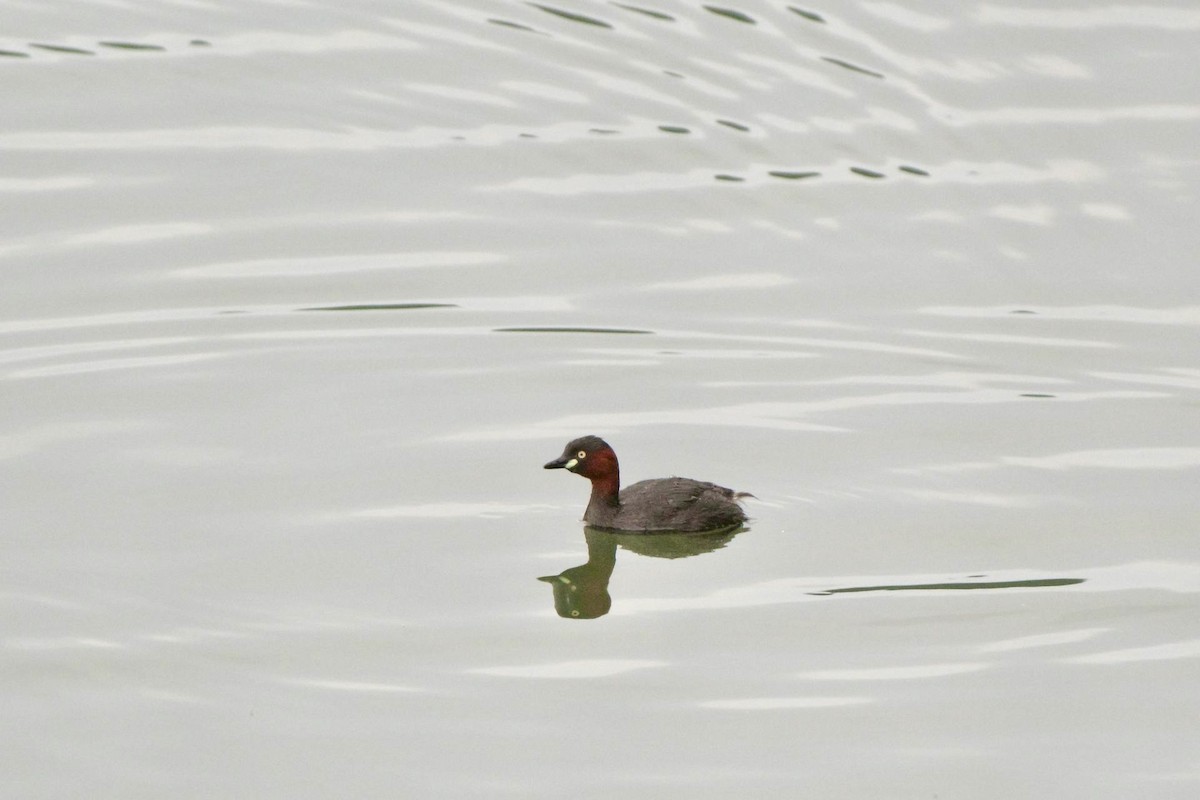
[715, 507]
[681, 504]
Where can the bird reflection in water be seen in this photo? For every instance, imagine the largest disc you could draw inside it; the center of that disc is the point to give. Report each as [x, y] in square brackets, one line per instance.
[582, 592]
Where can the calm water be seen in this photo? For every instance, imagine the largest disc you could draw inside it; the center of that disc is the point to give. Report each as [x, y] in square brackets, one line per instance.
[298, 297]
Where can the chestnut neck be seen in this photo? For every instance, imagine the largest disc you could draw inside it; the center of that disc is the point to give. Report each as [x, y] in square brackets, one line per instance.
[606, 484]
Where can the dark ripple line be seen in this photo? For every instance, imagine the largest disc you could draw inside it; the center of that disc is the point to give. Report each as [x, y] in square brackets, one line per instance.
[854, 67]
[504, 23]
[646, 11]
[59, 48]
[959, 586]
[572, 16]
[381, 307]
[809, 15]
[737, 126]
[134, 46]
[63, 49]
[732, 13]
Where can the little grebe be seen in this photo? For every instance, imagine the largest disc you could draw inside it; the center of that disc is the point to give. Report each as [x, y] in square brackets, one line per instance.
[660, 504]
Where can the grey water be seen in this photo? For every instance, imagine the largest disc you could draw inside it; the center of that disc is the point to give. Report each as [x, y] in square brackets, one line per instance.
[298, 297]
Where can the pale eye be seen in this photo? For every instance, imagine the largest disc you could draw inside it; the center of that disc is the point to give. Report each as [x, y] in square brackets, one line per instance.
[581, 454]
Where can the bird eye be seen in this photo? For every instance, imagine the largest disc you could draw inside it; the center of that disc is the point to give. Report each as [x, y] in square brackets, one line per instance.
[581, 454]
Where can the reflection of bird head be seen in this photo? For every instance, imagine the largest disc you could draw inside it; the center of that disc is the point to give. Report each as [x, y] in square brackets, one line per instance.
[578, 595]
[582, 592]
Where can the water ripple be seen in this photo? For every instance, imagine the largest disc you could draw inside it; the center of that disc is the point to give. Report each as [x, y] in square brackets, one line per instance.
[1183, 315]
[779, 416]
[1042, 640]
[353, 687]
[1123, 17]
[1135, 458]
[570, 670]
[111, 364]
[908, 673]
[1148, 576]
[492, 510]
[333, 265]
[783, 703]
[1160, 652]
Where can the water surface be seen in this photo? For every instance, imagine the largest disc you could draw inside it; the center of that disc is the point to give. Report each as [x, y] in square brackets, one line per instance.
[299, 298]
